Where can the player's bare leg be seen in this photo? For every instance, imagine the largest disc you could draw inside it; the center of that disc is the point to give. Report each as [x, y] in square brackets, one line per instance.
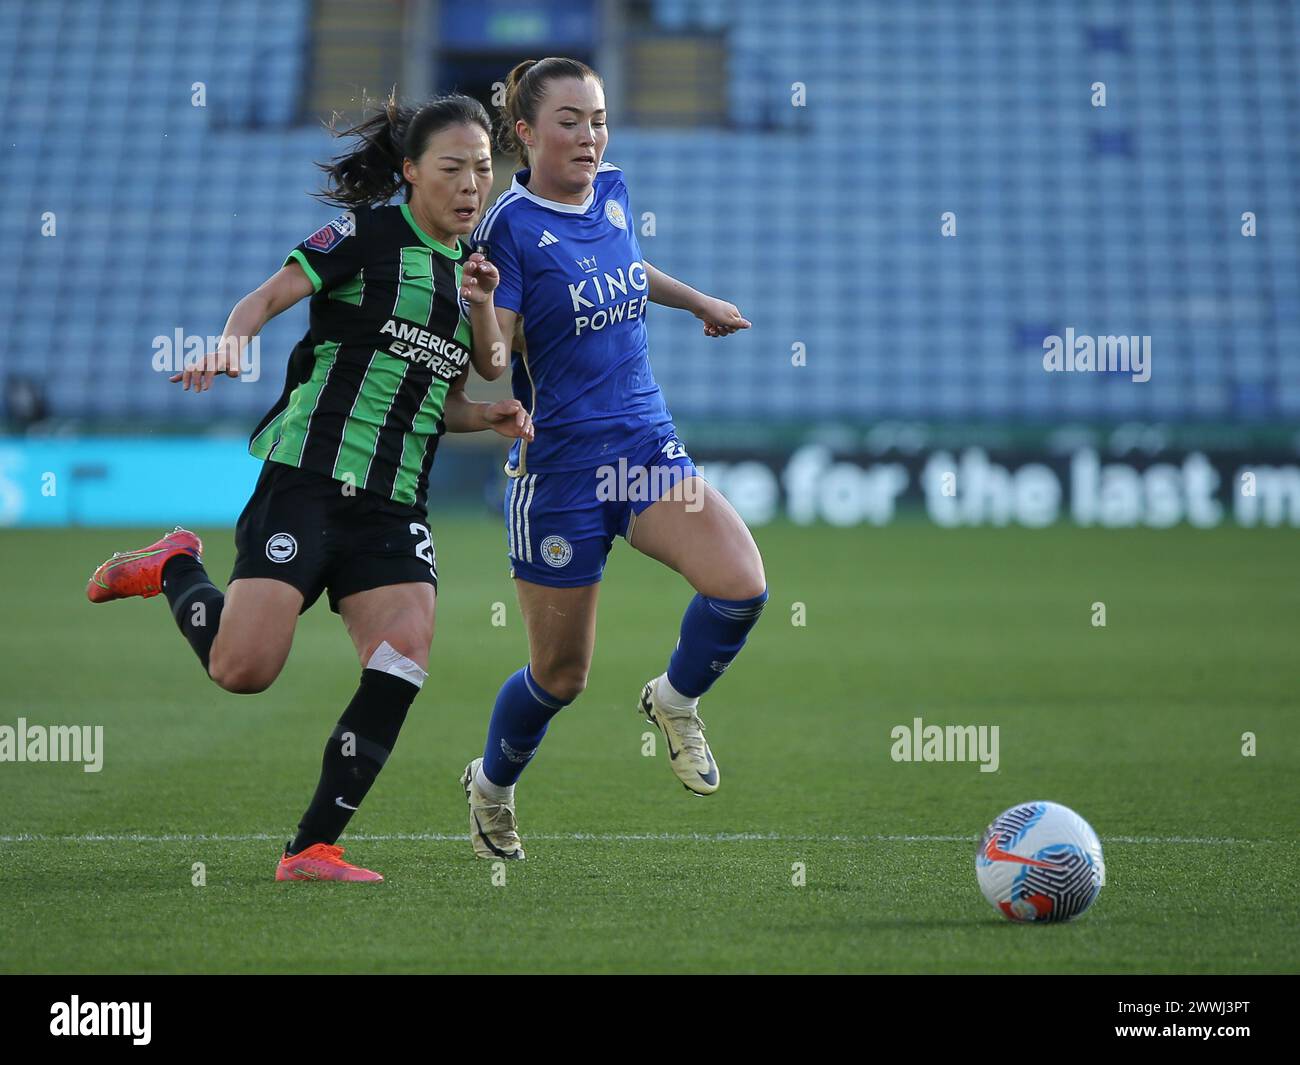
[695, 531]
[698, 533]
[402, 614]
[242, 637]
[561, 624]
[255, 633]
[391, 628]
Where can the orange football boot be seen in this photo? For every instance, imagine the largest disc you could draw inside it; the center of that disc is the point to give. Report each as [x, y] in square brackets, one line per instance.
[139, 572]
[322, 861]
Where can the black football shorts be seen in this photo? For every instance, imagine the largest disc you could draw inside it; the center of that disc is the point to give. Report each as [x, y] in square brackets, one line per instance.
[319, 534]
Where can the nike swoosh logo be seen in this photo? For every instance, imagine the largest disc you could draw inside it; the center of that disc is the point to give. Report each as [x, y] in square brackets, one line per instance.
[339, 802]
[994, 853]
[667, 735]
[417, 277]
[121, 560]
[711, 777]
[668, 740]
[131, 556]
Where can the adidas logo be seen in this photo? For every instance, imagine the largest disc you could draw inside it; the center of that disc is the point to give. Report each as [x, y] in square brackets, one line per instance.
[548, 238]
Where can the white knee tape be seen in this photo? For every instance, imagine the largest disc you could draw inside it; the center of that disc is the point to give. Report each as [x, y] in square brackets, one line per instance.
[387, 659]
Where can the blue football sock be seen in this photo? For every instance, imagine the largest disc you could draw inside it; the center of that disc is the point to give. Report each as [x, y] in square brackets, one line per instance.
[713, 632]
[519, 719]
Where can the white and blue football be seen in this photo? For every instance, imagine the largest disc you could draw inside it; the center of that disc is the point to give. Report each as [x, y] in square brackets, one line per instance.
[1040, 861]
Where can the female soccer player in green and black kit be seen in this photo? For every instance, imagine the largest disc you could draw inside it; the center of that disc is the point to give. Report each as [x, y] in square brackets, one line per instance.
[398, 312]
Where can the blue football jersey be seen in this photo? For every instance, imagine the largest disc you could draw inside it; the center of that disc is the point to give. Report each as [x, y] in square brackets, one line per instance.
[574, 273]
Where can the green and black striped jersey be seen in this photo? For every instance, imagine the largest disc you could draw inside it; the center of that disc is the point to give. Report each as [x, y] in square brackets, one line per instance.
[364, 392]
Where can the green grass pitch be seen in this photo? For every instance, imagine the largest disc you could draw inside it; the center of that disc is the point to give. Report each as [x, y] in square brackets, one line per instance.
[1137, 725]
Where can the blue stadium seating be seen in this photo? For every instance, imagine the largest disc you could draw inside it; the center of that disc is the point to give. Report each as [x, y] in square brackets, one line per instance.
[821, 222]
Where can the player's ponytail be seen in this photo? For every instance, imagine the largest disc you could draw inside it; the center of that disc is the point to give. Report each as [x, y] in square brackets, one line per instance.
[525, 91]
[371, 173]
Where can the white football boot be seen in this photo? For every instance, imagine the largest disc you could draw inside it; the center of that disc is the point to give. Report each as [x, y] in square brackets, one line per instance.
[688, 751]
[492, 827]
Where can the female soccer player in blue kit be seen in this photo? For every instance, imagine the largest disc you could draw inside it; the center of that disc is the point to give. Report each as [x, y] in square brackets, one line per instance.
[569, 270]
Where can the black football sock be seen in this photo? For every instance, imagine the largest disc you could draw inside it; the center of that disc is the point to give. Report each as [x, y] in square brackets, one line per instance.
[357, 750]
[195, 601]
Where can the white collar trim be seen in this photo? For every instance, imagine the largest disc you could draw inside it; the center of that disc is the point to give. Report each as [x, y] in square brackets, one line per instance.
[554, 205]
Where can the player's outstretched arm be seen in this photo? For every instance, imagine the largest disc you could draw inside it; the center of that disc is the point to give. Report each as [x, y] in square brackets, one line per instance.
[460, 414]
[491, 327]
[276, 294]
[720, 318]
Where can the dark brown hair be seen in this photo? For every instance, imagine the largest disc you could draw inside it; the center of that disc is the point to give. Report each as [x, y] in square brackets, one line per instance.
[372, 171]
[525, 90]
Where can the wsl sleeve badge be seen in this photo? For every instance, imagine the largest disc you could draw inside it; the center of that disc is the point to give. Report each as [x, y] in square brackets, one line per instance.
[328, 236]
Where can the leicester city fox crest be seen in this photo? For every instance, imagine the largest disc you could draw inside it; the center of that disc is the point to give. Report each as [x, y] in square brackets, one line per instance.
[556, 551]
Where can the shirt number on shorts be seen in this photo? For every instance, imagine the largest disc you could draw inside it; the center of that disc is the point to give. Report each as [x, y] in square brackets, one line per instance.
[674, 449]
[424, 549]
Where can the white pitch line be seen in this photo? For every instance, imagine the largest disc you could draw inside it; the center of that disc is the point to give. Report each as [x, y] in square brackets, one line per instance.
[601, 837]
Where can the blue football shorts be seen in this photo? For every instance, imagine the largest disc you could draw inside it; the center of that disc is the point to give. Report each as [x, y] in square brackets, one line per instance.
[561, 526]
